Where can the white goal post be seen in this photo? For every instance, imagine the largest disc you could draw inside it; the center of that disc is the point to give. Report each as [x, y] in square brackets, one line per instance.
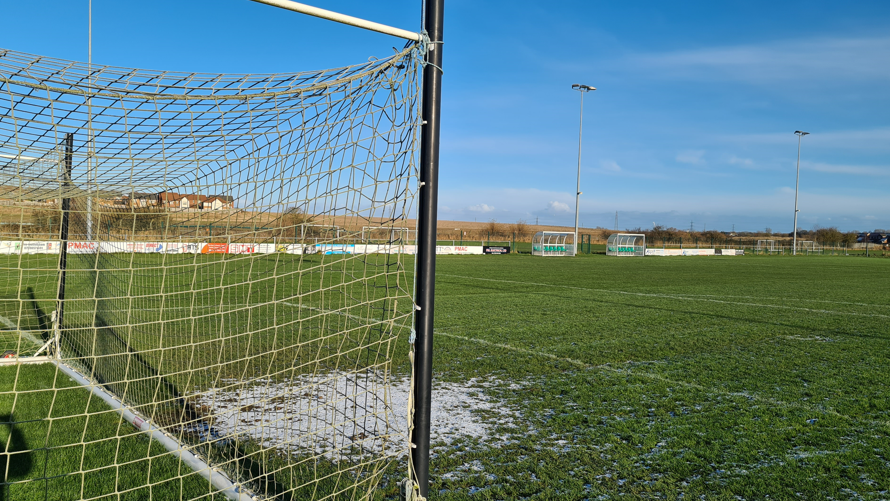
[388, 234]
[809, 246]
[767, 246]
[553, 243]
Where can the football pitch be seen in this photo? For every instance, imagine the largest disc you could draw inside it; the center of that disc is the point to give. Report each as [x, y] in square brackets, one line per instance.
[588, 378]
[669, 377]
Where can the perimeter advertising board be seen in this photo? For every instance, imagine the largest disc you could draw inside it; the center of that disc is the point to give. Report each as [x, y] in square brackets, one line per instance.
[496, 249]
[215, 249]
[40, 247]
[83, 247]
[289, 248]
[242, 248]
[459, 249]
[10, 247]
[681, 252]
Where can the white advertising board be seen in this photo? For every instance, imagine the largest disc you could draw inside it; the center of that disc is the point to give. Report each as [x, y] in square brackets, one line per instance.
[289, 248]
[130, 247]
[265, 248]
[459, 249]
[10, 247]
[242, 248]
[184, 248]
[681, 252]
[698, 252]
[82, 247]
[38, 247]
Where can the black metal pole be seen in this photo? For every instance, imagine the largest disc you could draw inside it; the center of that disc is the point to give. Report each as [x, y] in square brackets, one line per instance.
[66, 210]
[426, 244]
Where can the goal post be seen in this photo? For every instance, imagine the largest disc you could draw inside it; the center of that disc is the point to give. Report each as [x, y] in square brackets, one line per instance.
[388, 234]
[767, 246]
[159, 281]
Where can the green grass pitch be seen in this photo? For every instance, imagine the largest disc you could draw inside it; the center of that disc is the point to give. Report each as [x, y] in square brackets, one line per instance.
[660, 378]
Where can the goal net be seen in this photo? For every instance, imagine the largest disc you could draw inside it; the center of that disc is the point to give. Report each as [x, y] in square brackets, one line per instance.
[161, 265]
[767, 245]
[808, 246]
[388, 235]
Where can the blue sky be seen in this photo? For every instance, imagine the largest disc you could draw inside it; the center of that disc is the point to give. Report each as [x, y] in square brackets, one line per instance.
[692, 121]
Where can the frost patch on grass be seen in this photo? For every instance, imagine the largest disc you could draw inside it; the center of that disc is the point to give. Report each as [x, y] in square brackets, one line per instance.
[818, 339]
[348, 416]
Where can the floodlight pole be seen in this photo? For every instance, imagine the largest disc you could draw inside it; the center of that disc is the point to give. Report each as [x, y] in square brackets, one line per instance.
[426, 245]
[582, 89]
[800, 134]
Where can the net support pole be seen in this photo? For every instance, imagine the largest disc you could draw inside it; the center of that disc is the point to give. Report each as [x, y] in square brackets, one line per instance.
[426, 244]
[67, 160]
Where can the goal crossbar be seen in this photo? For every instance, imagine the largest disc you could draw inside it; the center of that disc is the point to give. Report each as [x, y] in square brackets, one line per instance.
[343, 18]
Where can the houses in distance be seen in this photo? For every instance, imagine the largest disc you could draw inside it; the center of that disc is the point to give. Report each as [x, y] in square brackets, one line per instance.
[179, 201]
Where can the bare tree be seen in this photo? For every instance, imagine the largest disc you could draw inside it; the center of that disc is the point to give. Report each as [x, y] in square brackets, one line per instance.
[494, 228]
[520, 228]
[291, 220]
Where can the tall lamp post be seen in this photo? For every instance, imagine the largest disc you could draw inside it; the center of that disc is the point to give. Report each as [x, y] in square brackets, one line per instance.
[582, 89]
[800, 134]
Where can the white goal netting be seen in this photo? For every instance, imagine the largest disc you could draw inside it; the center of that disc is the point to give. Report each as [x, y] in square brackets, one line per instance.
[189, 247]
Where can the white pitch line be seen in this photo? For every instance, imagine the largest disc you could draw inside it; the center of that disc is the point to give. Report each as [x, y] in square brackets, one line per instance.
[649, 375]
[658, 377]
[667, 296]
[790, 299]
[15, 328]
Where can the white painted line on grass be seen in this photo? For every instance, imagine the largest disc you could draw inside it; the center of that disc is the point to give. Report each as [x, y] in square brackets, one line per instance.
[790, 299]
[9, 324]
[668, 296]
[648, 375]
[660, 378]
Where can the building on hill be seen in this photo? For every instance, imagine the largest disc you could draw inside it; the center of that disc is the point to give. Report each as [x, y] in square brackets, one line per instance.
[217, 202]
[875, 237]
[141, 200]
[179, 201]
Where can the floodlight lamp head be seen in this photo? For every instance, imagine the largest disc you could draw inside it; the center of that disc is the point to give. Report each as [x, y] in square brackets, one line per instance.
[575, 86]
[801, 133]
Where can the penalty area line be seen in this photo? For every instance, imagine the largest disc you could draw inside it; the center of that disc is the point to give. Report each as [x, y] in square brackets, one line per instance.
[662, 379]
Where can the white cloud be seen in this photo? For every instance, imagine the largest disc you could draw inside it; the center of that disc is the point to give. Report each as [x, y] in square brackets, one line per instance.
[558, 206]
[857, 140]
[610, 166]
[693, 157]
[805, 60]
[853, 170]
[480, 208]
[745, 162]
